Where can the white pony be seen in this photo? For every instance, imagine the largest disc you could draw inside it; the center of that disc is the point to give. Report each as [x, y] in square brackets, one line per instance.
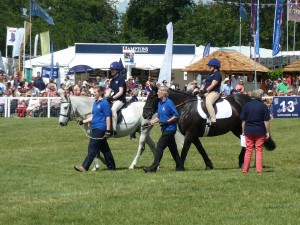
[131, 121]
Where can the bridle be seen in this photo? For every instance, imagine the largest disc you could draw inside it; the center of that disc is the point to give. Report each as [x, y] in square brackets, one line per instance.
[70, 110]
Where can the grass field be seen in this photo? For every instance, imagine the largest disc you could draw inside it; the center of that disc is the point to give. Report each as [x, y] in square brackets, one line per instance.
[39, 185]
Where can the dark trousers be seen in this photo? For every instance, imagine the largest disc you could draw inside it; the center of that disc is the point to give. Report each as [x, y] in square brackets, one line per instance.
[94, 148]
[167, 139]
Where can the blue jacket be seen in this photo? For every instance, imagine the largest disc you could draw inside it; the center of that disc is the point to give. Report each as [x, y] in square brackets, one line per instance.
[115, 83]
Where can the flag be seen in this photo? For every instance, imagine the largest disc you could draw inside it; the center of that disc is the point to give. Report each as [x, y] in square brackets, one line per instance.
[293, 11]
[123, 71]
[36, 10]
[11, 36]
[257, 31]
[277, 27]
[166, 67]
[45, 43]
[18, 41]
[243, 13]
[206, 50]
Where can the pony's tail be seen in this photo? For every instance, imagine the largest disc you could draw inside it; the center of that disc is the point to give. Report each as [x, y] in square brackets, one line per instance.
[269, 144]
[179, 138]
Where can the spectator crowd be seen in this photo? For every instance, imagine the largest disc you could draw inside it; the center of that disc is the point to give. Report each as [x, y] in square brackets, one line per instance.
[28, 105]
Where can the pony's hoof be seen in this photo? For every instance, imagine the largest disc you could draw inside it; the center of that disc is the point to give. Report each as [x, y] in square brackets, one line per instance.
[95, 168]
[209, 168]
[131, 167]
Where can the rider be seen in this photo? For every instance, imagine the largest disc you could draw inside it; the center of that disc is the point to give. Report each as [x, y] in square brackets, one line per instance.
[211, 89]
[116, 92]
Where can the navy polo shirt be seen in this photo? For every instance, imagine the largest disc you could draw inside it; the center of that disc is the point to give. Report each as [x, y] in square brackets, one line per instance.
[254, 114]
[213, 76]
[166, 110]
[101, 110]
[115, 83]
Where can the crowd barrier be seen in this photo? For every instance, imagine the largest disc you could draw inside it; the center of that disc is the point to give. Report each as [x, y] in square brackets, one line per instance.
[282, 106]
[35, 106]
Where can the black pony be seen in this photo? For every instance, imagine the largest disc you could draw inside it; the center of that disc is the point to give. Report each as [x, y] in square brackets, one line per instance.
[193, 126]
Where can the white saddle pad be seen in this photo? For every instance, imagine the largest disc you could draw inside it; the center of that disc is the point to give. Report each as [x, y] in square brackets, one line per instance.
[224, 109]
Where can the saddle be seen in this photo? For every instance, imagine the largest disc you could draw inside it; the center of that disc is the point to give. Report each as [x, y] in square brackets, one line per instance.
[203, 105]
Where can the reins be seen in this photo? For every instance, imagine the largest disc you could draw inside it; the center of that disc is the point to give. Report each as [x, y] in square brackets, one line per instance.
[190, 100]
[74, 118]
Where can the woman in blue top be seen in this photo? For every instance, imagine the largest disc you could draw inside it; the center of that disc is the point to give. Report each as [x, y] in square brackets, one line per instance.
[211, 88]
[255, 118]
[100, 120]
[167, 117]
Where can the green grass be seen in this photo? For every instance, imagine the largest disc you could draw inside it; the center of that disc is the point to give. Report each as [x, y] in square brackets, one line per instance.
[39, 185]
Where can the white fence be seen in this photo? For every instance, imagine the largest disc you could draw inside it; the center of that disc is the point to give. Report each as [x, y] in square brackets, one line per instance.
[35, 106]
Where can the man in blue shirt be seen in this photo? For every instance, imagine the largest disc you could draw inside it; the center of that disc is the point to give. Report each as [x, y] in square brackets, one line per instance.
[116, 92]
[100, 120]
[167, 117]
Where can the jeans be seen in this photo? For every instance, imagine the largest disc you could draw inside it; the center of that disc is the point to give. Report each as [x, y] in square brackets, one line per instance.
[94, 148]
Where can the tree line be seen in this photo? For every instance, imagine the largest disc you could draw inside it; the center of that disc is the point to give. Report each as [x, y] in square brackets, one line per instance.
[97, 21]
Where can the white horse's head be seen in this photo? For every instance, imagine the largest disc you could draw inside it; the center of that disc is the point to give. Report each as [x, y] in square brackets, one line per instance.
[66, 111]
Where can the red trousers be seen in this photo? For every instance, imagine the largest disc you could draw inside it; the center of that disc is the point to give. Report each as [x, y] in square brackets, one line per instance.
[257, 142]
[21, 111]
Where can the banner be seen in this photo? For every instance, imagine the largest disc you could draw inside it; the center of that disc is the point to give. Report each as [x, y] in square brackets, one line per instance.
[286, 107]
[166, 67]
[1, 63]
[25, 37]
[11, 36]
[36, 39]
[36, 10]
[45, 43]
[253, 16]
[17, 44]
[277, 27]
[257, 30]
[46, 72]
[206, 50]
[294, 10]
[128, 56]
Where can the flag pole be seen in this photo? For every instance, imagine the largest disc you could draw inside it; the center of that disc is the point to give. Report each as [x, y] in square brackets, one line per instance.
[24, 46]
[294, 37]
[240, 37]
[6, 60]
[30, 38]
[287, 26]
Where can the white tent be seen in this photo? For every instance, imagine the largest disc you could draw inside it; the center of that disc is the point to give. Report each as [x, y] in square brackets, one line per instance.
[61, 58]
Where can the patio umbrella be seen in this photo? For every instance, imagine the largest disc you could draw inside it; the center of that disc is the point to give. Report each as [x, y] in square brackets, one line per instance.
[80, 69]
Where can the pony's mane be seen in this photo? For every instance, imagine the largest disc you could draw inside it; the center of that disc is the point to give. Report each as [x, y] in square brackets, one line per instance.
[183, 94]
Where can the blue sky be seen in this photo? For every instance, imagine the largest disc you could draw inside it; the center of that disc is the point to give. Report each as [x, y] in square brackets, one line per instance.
[121, 7]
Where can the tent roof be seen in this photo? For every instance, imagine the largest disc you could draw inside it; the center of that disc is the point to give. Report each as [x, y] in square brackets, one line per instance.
[294, 67]
[61, 58]
[231, 61]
